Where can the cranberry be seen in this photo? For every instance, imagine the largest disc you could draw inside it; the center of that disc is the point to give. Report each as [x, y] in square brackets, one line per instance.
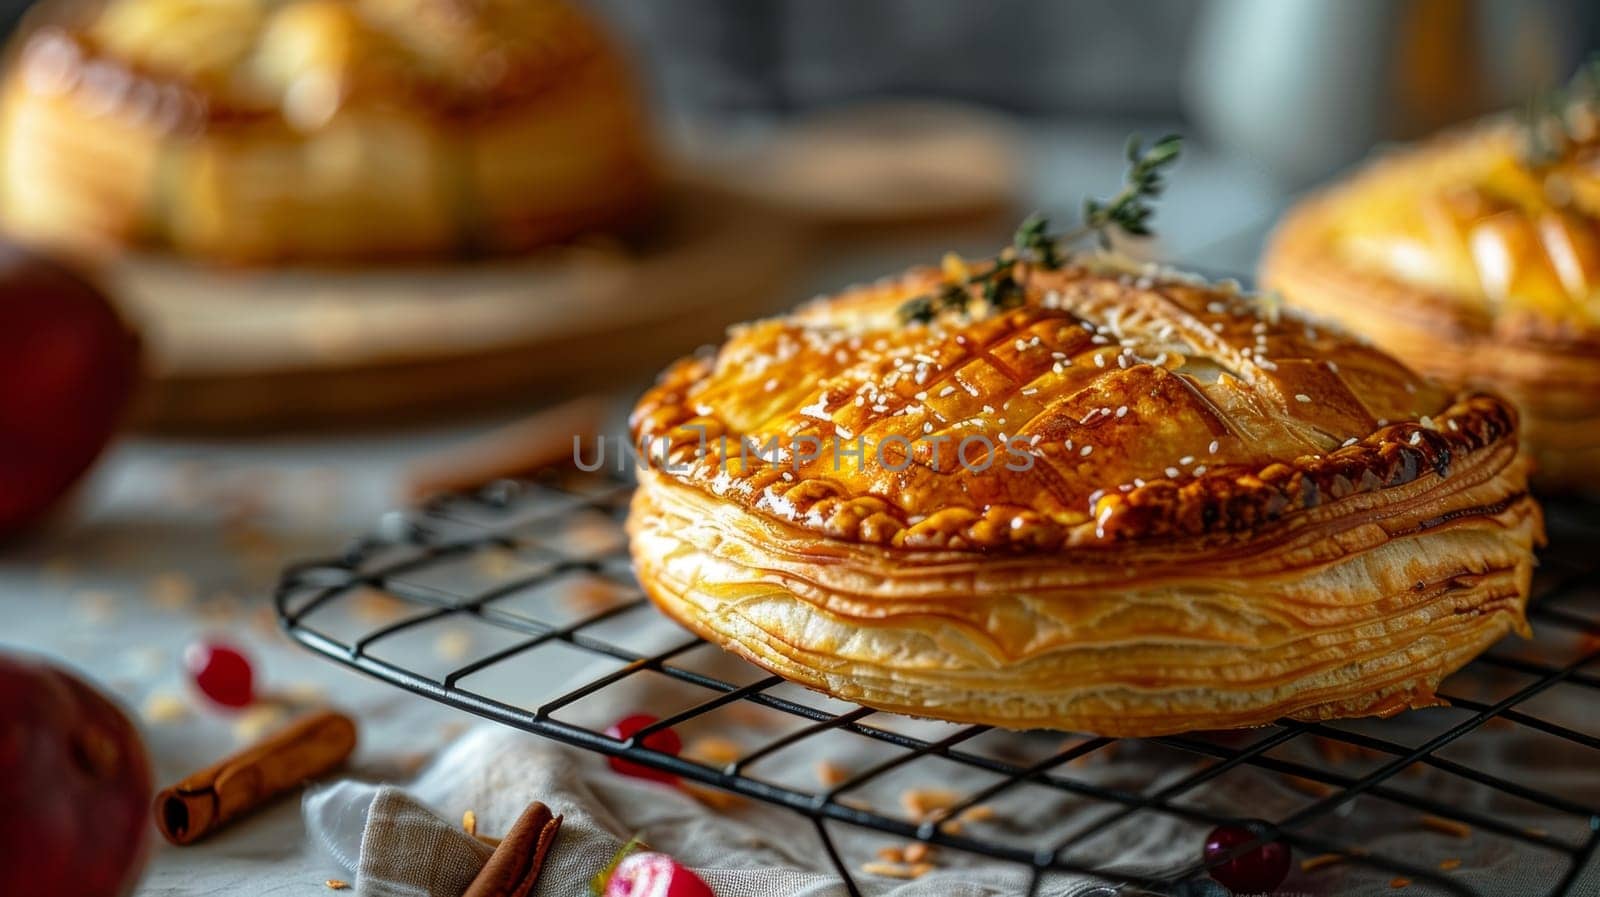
[74, 786]
[654, 875]
[221, 672]
[665, 741]
[1256, 871]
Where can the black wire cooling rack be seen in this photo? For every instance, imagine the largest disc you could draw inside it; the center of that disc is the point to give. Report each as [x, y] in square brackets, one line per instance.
[473, 600]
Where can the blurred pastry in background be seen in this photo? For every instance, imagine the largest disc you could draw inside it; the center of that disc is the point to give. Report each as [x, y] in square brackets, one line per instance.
[248, 132]
[1475, 256]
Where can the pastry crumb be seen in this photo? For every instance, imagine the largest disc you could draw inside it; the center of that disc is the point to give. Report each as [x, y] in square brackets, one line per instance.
[897, 870]
[305, 693]
[469, 822]
[374, 606]
[1447, 826]
[1400, 882]
[1451, 863]
[171, 590]
[1319, 861]
[928, 803]
[164, 707]
[917, 852]
[591, 596]
[715, 798]
[495, 563]
[256, 722]
[714, 750]
[453, 644]
[335, 884]
[1310, 787]
[830, 773]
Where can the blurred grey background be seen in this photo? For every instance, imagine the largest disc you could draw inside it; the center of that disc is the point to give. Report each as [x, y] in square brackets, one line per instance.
[1408, 64]
[1273, 95]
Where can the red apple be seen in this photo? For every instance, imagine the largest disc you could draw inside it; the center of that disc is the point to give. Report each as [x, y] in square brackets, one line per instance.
[68, 367]
[74, 787]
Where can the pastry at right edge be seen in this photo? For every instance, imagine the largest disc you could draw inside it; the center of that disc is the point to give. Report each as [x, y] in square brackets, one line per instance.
[1475, 257]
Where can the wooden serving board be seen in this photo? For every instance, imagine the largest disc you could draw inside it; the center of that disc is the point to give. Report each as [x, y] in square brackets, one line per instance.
[295, 348]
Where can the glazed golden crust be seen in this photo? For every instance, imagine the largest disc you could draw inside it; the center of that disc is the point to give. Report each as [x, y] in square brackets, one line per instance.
[1234, 515]
[1149, 409]
[320, 129]
[1474, 267]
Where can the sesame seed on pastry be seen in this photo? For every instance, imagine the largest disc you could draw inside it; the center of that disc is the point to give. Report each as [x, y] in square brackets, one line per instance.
[1189, 509]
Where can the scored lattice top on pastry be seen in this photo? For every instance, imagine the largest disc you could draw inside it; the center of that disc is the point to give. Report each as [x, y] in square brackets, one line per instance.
[1471, 216]
[186, 61]
[1142, 405]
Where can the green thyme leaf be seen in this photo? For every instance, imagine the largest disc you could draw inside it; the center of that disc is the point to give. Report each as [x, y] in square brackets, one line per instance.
[1129, 211]
[1003, 291]
[1548, 118]
[918, 310]
[954, 297]
[597, 884]
[1034, 242]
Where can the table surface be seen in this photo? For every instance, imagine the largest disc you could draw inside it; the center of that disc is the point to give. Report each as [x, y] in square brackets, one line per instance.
[171, 540]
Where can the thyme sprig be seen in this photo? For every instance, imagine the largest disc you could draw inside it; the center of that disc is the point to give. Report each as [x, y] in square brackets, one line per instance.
[1553, 121]
[1129, 211]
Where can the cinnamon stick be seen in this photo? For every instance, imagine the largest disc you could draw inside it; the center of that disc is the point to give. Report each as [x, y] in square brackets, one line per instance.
[204, 802]
[514, 868]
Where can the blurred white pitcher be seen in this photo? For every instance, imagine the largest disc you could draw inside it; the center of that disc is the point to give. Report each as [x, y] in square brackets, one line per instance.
[1304, 87]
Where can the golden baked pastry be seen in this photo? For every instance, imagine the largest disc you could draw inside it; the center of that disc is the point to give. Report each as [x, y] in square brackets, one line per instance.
[255, 131]
[1195, 511]
[1475, 265]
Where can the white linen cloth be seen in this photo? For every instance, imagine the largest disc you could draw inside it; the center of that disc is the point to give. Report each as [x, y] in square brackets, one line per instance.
[395, 845]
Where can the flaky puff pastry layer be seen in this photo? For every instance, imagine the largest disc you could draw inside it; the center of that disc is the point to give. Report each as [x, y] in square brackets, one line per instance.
[1234, 516]
[1474, 266]
[320, 130]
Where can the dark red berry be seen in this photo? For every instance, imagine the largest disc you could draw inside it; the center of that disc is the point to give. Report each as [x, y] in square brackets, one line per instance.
[1256, 871]
[221, 673]
[665, 741]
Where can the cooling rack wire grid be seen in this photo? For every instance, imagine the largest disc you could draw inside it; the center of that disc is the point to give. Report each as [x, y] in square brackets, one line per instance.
[464, 600]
